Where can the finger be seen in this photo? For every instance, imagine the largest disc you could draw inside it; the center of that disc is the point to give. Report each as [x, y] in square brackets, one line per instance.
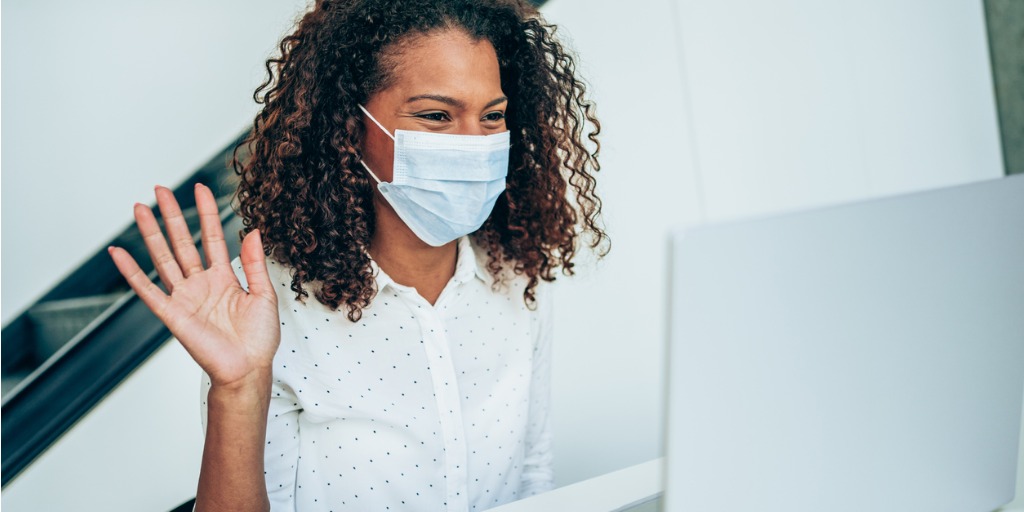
[254, 265]
[163, 260]
[213, 233]
[151, 295]
[178, 232]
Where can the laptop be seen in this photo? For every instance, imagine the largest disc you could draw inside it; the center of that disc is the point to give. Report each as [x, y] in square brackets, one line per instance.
[863, 357]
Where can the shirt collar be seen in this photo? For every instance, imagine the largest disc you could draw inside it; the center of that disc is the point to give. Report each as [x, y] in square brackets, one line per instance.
[467, 265]
[472, 260]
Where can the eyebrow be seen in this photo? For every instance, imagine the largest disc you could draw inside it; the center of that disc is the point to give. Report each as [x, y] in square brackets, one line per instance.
[448, 100]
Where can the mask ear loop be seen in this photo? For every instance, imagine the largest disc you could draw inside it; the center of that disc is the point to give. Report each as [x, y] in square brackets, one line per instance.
[372, 175]
[376, 122]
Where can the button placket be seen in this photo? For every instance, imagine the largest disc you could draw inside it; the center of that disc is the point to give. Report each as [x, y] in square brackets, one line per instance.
[446, 397]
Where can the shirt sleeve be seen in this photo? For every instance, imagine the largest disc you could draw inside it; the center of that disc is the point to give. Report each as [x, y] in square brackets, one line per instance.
[538, 474]
[281, 453]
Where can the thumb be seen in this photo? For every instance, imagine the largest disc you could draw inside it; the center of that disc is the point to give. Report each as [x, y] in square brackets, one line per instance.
[254, 265]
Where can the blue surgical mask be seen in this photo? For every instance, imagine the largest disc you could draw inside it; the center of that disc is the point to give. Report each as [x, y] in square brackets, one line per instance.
[444, 186]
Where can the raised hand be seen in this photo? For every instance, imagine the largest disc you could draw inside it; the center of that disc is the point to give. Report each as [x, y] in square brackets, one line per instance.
[231, 333]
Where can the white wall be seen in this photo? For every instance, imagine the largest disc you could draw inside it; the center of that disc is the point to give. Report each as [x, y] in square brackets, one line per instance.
[611, 319]
[730, 108]
[102, 100]
[799, 103]
[105, 99]
[139, 449]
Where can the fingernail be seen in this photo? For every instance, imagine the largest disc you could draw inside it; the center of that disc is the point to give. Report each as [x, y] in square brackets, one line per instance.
[110, 249]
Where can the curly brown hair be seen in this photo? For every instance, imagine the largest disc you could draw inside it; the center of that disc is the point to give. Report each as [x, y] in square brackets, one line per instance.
[301, 184]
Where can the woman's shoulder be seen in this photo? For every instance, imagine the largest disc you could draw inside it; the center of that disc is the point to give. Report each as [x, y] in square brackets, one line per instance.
[501, 273]
[503, 277]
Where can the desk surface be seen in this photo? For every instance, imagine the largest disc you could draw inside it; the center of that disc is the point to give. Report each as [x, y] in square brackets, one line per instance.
[634, 489]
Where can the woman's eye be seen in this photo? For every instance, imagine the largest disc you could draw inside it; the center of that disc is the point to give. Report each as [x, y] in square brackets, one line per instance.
[495, 116]
[434, 116]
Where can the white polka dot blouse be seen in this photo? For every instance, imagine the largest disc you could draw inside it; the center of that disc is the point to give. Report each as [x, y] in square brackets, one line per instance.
[414, 407]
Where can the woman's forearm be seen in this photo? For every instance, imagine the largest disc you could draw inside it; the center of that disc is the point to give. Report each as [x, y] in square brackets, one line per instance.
[232, 477]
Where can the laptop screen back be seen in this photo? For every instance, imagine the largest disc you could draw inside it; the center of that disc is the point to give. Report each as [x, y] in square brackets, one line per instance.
[862, 357]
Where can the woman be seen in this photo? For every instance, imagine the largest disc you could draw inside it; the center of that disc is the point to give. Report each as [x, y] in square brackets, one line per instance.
[420, 169]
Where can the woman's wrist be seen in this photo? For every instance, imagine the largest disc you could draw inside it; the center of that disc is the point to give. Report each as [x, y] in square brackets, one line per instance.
[246, 392]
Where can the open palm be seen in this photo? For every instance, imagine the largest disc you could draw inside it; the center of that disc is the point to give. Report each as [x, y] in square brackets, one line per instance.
[229, 331]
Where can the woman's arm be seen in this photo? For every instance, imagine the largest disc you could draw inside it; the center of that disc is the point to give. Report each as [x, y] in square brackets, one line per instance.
[231, 332]
[232, 477]
[278, 449]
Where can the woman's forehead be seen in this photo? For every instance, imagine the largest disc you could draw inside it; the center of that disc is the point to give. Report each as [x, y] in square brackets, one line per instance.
[447, 62]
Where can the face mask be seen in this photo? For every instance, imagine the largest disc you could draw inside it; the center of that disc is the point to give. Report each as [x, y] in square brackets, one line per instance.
[444, 186]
